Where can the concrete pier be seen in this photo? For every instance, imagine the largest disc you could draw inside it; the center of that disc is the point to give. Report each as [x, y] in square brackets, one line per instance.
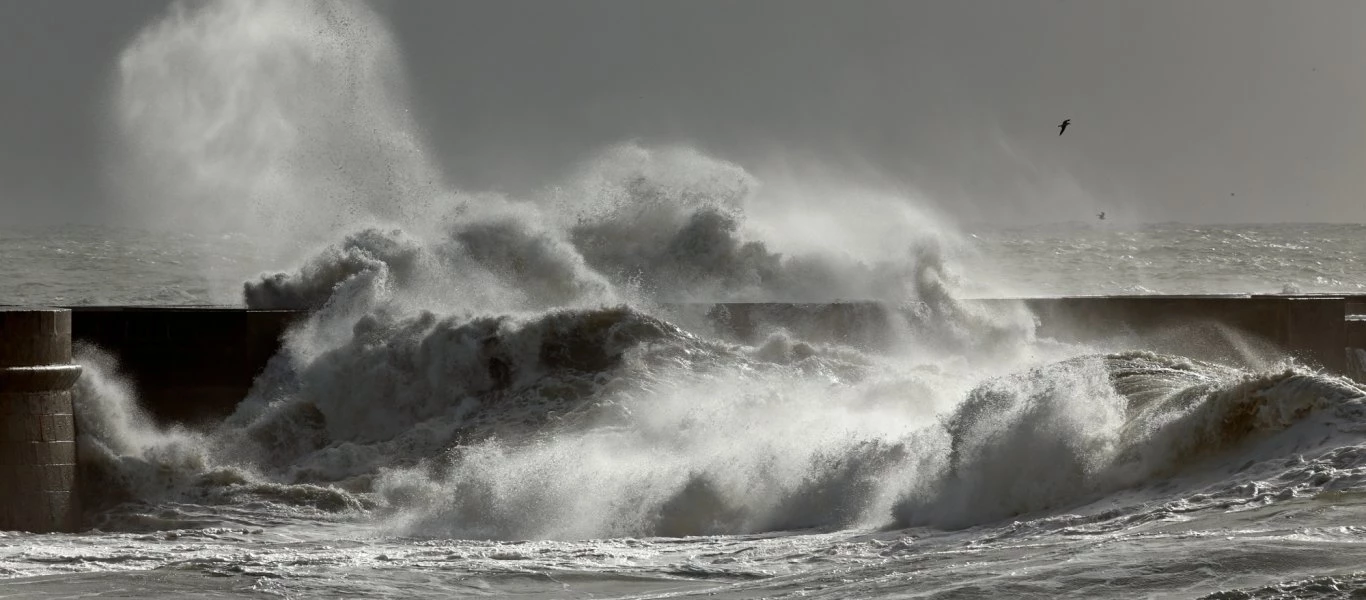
[37, 431]
[1356, 346]
[189, 364]
[1310, 328]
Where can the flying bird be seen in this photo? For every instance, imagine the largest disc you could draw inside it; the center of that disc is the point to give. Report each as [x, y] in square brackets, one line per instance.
[1100, 216]
[1063, 127]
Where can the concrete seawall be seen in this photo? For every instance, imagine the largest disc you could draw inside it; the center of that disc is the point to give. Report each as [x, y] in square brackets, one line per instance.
[1311, 328]
[189, 364]
[193, 364]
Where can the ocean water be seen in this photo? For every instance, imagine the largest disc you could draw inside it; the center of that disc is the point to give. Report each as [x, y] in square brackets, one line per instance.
[511, 396]
[1172, 258]
[80, 265]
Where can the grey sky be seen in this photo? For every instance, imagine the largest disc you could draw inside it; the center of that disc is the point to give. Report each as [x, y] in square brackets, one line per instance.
[1230, 111]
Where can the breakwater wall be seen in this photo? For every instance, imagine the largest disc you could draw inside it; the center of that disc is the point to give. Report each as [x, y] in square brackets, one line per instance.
[189, 364]
[193, 364]
[1313, 329]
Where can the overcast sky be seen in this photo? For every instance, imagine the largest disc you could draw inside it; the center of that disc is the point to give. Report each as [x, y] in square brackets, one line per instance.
[1210, 110]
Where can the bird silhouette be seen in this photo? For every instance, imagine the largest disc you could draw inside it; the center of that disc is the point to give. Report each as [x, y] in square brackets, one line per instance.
[1063, 127]
[1101, 216]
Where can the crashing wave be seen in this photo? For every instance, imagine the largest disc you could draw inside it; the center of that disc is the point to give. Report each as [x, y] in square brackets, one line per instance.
[1070, 432]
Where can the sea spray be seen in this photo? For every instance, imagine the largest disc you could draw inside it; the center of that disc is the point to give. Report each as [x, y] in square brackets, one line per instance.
[281, 120]
[484, 366]
[129, 463]
[124, 454]
[449, 319]
[702, 444]
[1074, 431]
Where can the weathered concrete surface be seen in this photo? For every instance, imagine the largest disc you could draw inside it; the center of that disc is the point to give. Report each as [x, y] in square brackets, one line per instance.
[1356, 346]
[1309, 327]
[189, 364]
[37, 432]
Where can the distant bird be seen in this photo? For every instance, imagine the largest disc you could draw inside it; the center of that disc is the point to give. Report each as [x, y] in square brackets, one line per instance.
[1063, 127]
[1100, 216]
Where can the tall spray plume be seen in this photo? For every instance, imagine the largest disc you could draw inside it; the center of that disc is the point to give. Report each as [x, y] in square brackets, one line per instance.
[284, 121]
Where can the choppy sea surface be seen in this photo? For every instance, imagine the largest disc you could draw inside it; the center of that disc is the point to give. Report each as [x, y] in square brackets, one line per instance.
[1173, 258]
[80, 265]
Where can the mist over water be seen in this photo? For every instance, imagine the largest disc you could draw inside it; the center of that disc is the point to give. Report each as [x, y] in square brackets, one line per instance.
[287, 122]
[281, 120]
[479, 366]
